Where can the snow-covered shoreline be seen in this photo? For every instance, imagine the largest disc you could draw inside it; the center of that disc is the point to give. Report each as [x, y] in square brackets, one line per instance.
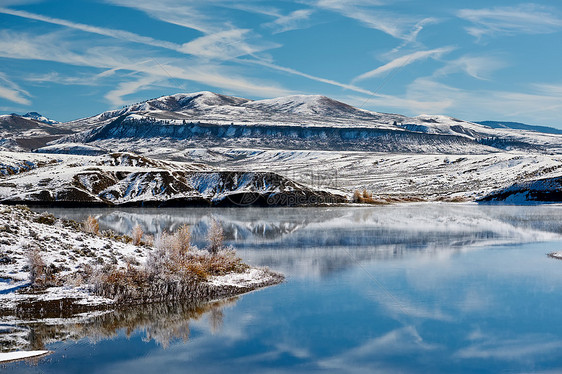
[68, 253]
[68, 289]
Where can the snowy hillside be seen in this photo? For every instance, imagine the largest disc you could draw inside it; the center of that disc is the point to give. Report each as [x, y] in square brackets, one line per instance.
[520, 126]
[129, 179]
[146, 135]
[28, 131]
[425, 176]
[222, 176]
[206, 119]
[528, 192]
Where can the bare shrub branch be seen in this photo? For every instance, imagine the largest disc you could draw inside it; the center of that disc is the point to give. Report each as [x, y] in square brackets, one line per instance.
[137, 234]
[215, 237]
[39, 273]
[37, 267]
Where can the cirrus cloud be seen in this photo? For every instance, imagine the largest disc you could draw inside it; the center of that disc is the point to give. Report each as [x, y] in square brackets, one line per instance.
[511, 20]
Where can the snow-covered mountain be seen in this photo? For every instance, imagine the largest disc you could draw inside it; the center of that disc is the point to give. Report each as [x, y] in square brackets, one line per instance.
[311, 122]
[28, 131]
[38, 117]
[216, 108]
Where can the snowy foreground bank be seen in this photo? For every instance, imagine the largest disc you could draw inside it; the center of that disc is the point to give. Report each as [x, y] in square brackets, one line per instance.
[53, 268]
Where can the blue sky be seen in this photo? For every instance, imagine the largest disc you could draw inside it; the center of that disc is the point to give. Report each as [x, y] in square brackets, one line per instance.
[477, 60]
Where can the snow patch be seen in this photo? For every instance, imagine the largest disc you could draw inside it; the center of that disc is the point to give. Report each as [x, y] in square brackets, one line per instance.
[250, 278]
[21, 355]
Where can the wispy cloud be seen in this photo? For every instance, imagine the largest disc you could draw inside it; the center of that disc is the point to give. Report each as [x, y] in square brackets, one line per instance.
[53, 47]
[479, 67]
[292, 21]
[114, 33]
[220, 39]
[131, 87]
[538, 106]
[512, 20]
[17, 2]
[219, 45]
[81, 79]
[371, 14]
[331, 82]
[12, 92]
[549, 88]
[402, 61]
[185, 14]
[360, 359]
[418, 27]
[533, 106]
[13, 95]
[251, 7]
[519, 348]
[225, 45]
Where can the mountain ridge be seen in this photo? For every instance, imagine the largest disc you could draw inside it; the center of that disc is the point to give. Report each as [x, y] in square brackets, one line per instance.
[206, 119]
[520, 126]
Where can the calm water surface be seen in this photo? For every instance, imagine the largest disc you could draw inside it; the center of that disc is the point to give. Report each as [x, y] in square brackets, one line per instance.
[412, 289]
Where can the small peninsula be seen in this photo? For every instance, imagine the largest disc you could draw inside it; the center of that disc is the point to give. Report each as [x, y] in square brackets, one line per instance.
[50, 263]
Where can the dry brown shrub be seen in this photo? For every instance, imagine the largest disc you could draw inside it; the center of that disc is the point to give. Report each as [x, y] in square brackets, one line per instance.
[171, 253]
[137, 235]
[224, 262]
[91, 225]
[37, 267]
[172, 265]
[366, 197]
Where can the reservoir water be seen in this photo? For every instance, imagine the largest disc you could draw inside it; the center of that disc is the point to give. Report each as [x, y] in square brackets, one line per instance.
[421, 288]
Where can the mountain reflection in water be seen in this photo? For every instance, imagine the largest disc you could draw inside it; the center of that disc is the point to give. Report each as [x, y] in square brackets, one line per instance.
[306, 242]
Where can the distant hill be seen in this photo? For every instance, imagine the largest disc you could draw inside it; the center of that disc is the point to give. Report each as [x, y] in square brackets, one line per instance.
[171, 124]
[520, 126]
[28, 131]
[167, 125]
[38, 117]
